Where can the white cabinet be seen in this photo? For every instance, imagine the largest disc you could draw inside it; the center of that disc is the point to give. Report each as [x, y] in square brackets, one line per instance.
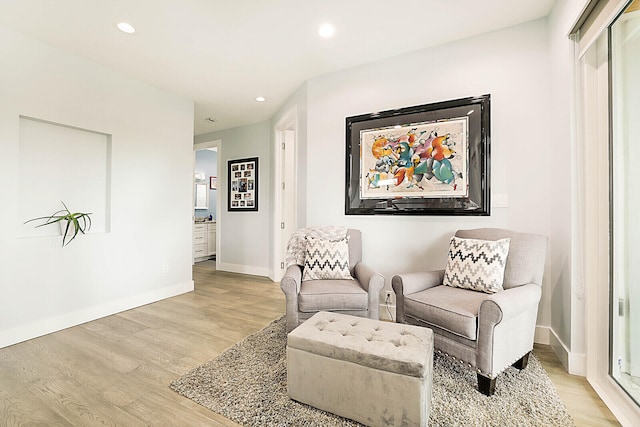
[200, 241]
[204, 241]
[211, 241]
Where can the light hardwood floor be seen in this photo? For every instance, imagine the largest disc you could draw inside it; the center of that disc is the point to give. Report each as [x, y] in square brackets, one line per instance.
[116, 370]
[582, 402]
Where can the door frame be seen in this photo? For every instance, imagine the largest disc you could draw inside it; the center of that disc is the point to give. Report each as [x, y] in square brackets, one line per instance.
[594, 134]
[289, 122]
[216, 143]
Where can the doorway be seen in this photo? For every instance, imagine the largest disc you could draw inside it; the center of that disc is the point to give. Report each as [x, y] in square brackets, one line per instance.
[285, 189]
[207, 226]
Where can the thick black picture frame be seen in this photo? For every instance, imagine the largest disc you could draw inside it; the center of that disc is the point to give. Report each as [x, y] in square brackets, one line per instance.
[477, 203]
[242, 168]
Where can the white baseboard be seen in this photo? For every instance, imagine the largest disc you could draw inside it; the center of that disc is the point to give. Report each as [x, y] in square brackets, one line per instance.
[243, 269]
[574, 363]
[275, 277]
[541, 335]
[577, 364]
[67, 320]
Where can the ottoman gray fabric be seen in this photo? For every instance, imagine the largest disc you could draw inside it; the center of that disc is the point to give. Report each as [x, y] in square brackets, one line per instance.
[376, 373]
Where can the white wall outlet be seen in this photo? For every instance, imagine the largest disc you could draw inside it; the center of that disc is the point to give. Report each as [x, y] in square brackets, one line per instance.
[388, 296]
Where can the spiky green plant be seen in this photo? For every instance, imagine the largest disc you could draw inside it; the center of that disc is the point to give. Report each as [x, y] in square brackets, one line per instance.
[77, 222]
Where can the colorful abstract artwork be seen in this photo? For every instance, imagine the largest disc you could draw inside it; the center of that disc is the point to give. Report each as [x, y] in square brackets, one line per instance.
[416, 160]
[430, 159]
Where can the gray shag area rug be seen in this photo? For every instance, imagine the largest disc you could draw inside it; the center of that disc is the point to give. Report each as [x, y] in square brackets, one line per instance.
[248, 384]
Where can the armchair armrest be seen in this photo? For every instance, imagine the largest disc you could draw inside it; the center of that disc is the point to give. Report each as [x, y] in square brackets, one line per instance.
[373, 283]
[405, 284]
[290, 285]
[506, 326]
[506, 304]
[290, 282]
[369, 279]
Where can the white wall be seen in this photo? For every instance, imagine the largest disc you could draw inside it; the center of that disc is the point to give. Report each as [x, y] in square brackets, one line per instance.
[146, 255]
[512, 66]
[244, 236]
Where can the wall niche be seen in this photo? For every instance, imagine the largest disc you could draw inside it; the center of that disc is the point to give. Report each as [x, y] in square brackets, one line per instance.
[58, 163]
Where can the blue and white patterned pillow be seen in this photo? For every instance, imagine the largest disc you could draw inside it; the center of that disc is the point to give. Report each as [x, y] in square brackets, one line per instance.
[476, 264]
[326, 259]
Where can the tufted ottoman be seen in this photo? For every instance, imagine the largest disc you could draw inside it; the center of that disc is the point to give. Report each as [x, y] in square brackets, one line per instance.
[374, 372]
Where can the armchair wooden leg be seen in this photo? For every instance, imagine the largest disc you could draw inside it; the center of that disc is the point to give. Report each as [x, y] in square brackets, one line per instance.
[522, 363]
[486, 386]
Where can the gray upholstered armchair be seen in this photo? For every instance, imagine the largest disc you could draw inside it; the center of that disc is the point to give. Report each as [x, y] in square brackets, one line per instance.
[488, 331]
[359, 295]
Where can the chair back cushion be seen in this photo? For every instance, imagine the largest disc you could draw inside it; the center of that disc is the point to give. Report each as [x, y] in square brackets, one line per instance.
[527, 254]
[355, 249]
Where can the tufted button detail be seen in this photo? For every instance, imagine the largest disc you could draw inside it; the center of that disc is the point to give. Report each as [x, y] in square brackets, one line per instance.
[385, 343]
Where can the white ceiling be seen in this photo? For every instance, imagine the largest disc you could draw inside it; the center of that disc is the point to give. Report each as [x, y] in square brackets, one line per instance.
[224, 53]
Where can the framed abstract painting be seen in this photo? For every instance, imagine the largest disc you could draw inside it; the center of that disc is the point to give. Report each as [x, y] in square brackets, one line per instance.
[428, 159]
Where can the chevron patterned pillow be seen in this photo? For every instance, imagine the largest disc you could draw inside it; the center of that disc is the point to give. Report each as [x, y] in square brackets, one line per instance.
[476, 264]
[326, 259]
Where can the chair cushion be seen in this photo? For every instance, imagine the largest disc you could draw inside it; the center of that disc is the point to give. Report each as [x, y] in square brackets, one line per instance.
[329, 295]
[452, 309]
[476, 264]
[326, 259]
[527, 254]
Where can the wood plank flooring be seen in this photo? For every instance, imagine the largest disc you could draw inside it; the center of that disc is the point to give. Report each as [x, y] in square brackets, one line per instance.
[115, 371]
[582, 402]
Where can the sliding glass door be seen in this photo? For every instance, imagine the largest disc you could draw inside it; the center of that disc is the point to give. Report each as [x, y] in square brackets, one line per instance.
[625, 197]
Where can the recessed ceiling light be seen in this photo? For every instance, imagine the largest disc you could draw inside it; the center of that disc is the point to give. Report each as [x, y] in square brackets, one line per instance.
[126, 28]
[261, 99]
[326, 30]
